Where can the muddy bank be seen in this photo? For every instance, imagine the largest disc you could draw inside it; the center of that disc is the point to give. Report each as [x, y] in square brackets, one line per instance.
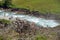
[24, 11]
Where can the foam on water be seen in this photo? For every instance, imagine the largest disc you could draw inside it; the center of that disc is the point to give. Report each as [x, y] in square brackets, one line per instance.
[39, 21]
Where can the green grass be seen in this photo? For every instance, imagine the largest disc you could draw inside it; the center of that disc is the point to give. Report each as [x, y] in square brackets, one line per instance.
[39, 37]
[40, 5]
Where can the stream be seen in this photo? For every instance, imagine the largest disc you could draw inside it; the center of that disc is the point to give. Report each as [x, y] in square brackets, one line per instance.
[39, 21]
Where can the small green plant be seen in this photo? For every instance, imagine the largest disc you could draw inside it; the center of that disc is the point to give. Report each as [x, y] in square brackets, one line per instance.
[9, 38]
[40, 37]
[1, 38]
[4, 21]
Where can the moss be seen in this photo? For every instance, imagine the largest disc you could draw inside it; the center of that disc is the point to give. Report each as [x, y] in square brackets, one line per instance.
[4, 21]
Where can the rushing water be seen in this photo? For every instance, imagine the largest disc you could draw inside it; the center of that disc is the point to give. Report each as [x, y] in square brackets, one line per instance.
[39, 21]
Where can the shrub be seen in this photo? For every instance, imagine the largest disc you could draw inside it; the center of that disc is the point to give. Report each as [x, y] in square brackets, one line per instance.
[6, 3]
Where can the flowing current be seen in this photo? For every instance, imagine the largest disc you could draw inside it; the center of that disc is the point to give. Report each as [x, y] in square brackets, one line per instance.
[39, 21]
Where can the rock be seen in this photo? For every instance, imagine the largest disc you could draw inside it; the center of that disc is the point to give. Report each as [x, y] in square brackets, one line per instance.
[24, 26]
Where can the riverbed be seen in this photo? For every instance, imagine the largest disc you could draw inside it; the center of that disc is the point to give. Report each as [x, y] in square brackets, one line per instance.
[38, 21]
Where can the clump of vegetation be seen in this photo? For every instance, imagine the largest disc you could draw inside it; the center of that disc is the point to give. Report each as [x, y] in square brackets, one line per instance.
[4, 21]
[5, 3]
[1, 38]
[1, 4]
[39, 37]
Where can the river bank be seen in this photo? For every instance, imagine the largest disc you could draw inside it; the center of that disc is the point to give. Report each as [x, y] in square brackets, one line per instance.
[24, 30]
